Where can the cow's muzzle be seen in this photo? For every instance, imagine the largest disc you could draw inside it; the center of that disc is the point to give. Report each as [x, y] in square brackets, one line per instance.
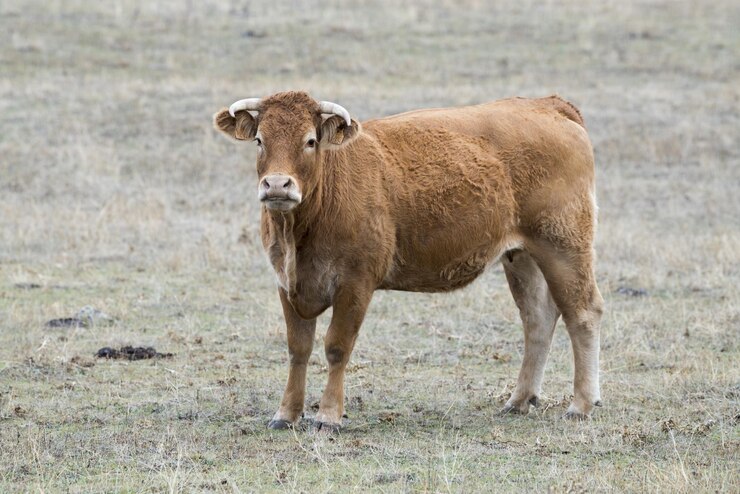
[279, 192]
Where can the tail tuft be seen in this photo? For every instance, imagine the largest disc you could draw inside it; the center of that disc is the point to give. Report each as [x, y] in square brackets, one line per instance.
[566, 109]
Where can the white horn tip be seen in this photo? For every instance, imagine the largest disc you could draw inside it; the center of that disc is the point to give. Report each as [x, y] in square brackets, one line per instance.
[233, 109]
[244, 104]
[329, 107]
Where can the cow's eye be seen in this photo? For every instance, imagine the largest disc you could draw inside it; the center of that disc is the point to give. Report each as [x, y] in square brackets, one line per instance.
[311, 143]
[258, 141]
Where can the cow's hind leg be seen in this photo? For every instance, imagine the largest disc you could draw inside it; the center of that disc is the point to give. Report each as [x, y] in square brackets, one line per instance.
[539, 315]
[300, 343]
[570, 276]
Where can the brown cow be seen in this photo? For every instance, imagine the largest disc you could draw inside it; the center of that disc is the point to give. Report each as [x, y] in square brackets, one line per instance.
[424, 201]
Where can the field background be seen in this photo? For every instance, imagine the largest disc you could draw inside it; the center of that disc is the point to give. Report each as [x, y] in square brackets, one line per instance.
[115, 192]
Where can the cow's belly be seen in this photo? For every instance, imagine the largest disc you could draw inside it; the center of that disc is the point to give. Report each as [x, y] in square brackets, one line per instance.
[429, 271]
[415, 279]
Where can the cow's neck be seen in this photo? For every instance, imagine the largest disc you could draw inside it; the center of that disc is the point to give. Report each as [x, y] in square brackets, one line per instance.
[315, 217]
[282, 248]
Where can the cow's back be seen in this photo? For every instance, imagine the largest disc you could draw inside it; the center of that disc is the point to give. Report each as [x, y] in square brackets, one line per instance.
[526, 124]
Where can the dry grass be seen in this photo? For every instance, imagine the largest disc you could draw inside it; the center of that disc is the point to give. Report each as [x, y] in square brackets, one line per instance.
[116, 193]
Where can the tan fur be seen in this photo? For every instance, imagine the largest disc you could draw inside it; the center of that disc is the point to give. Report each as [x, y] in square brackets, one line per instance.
[424, 201]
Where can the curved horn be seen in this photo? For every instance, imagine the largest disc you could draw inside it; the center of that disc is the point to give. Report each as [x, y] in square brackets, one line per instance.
[329, 107]
[245, 104]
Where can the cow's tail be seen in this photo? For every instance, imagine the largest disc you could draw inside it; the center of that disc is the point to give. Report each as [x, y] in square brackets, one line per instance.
[566, 109]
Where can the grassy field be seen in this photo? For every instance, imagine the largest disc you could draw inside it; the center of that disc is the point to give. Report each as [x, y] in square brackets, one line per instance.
[115, 192]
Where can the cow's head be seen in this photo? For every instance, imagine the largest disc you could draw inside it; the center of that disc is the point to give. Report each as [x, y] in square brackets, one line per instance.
[291, 134]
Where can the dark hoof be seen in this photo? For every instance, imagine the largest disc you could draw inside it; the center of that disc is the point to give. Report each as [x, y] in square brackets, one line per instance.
[598, 403]
[326, 427]
[511, 410]
[577, 416]
[280, 424]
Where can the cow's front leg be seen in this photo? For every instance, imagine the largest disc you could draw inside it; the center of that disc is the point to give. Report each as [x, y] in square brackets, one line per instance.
[350, 305]
[300, 343]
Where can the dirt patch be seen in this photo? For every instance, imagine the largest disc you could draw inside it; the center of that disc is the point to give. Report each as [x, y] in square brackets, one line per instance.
[65, 322]
[131, 353]
[86, 317]
[27, 286]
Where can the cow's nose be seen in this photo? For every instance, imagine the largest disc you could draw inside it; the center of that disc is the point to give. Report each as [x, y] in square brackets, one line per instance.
[279, 192]
[277, 183]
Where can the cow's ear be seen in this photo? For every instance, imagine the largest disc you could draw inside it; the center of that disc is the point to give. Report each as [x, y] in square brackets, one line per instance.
[241, 127]
[335, 132]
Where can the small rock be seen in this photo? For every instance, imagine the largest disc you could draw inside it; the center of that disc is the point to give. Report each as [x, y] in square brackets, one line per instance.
[94, 317]
[388, 416]
[632, 292]
[250, 33]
